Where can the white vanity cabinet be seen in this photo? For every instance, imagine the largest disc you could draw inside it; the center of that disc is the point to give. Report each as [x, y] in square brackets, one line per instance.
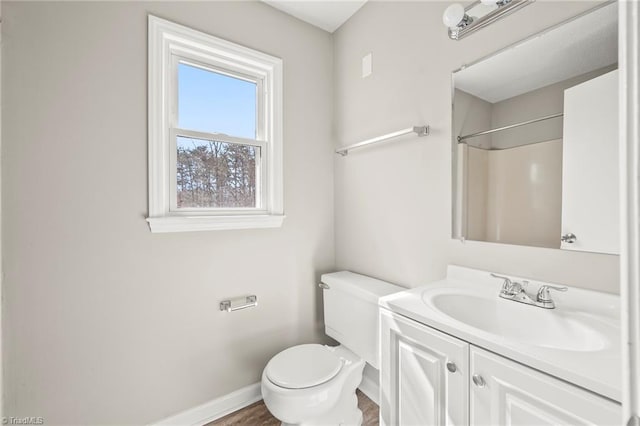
[504, 392]
[431, 378]
[424, 376]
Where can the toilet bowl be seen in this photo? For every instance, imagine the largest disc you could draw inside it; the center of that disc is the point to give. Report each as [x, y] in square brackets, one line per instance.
[314, 384]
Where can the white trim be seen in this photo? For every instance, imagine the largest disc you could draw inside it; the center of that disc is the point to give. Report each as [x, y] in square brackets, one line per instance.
[629, 65]
[215, 409]
[167, 41]
[234, 401]
[369, 386]
[1, 272]
[213, 223]
[217, 137]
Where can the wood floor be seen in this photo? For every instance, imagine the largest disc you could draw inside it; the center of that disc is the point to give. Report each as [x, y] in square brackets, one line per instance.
[258, 415]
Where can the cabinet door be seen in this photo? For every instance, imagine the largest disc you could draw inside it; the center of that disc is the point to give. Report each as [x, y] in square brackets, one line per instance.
[423, 374]
[590, 165]
[513, 394]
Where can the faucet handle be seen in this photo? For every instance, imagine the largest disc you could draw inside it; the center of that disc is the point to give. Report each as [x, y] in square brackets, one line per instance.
[506, 284]
[543, 292]
[499, 276]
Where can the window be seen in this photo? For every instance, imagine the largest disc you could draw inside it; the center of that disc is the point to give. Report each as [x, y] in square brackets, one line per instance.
[215, 133]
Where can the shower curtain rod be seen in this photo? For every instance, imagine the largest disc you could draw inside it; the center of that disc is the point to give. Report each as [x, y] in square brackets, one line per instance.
[510, 147]
[461, 139]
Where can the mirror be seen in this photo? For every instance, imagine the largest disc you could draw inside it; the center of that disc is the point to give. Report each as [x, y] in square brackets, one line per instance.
[535, 139]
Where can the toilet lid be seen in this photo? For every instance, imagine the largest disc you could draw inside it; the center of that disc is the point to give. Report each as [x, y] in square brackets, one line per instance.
[303, 366]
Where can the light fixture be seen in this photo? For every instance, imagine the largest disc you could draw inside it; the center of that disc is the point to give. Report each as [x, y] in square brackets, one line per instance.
[455, 17]
[463, 21]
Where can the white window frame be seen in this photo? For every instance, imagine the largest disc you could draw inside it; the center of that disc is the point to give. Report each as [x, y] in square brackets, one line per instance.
[169, 45]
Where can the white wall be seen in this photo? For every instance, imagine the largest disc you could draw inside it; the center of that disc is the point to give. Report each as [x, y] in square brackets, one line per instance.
[393, 202]
[104, 322]
[470, 115]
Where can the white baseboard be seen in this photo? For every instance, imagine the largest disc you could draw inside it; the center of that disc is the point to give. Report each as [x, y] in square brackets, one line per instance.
[227, 404]
[370, 387]
[215, 409]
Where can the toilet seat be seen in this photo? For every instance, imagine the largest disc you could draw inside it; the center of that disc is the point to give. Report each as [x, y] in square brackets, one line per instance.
[303, 366]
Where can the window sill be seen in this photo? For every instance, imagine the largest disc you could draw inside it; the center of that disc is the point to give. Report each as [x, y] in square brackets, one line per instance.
[213, 223]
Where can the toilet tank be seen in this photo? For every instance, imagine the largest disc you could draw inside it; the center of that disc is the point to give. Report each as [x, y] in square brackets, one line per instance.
[351, 311]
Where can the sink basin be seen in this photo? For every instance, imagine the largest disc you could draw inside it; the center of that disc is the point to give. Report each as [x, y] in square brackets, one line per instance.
[579, 341]
[529, 325]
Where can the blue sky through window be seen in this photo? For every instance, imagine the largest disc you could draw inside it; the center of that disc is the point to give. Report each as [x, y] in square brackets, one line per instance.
[215, 103]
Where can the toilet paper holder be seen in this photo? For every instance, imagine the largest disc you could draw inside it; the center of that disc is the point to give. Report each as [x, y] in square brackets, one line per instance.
[239, 303]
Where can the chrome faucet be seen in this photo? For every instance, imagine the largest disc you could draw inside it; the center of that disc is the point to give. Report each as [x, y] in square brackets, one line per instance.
[543, 297]
[513, 290]
[508, 286]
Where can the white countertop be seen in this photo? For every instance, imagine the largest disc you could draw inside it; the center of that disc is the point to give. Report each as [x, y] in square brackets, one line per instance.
[598, 370]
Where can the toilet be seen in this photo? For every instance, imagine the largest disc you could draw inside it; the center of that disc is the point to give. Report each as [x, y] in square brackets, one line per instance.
[315, 384]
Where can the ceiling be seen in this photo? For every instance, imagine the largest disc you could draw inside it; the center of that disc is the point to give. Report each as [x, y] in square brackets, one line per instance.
[327, 14]
[584, 44]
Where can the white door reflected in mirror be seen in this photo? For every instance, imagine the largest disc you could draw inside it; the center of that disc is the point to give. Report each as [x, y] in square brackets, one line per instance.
[590, 187]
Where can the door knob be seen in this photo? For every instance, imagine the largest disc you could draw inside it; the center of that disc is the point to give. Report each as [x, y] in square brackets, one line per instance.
[451, 366]
[478, 380]
[568, 238]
